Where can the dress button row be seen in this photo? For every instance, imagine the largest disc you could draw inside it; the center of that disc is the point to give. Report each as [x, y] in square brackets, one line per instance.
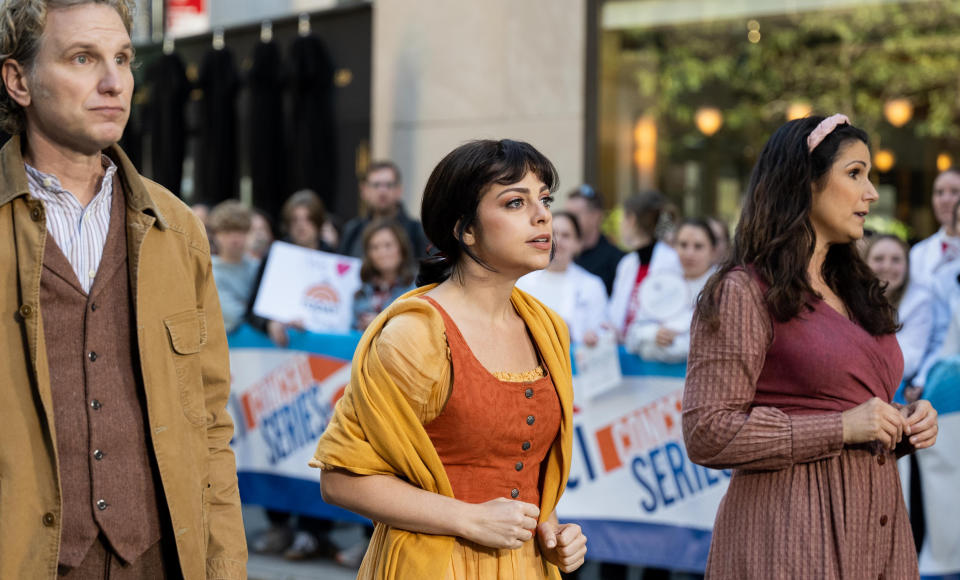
[518, 466]
[528, 393]
[881, 459]
[514, 493]
[525, 446]
[530, 419]
[883, 520]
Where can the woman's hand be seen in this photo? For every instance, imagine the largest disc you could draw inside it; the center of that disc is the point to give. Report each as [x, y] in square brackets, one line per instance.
[920, 424]
[500, 523]
[665, 336]
[277, 331]
[563, 545]
[590, 338]
[874, 420]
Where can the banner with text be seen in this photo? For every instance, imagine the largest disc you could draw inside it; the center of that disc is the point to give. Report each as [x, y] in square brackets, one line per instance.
[638, 497]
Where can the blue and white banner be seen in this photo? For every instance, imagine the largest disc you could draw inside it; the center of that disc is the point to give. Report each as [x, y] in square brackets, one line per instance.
[638, 497]
[940, 475]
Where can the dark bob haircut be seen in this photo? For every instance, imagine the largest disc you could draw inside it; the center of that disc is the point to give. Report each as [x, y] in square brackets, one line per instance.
[453, 192]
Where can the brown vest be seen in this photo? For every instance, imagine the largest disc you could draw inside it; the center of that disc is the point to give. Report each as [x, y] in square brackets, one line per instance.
[107, 479]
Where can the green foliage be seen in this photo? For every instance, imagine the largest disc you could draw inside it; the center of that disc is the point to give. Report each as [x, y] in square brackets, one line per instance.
[851, 60]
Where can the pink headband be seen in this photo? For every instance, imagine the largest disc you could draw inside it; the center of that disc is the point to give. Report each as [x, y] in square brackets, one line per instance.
[825, 127]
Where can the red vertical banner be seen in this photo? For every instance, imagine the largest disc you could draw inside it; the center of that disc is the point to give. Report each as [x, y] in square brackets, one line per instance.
[187, 17]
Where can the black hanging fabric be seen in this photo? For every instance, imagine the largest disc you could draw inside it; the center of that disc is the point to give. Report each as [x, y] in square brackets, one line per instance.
[268, 151]
[165, 119]
[313, 138]
[217, 157]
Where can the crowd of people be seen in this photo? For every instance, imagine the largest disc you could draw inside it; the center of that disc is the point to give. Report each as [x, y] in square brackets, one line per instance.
[596, 285]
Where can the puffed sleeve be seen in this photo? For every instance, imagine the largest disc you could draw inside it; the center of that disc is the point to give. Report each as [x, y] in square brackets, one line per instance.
[418, 359]
[721, 428]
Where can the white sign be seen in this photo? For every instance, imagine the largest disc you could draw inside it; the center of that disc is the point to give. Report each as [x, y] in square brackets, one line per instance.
[598, 367]
[308, 287]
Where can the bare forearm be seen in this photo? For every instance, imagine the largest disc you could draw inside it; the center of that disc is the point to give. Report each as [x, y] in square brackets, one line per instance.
[388, 499]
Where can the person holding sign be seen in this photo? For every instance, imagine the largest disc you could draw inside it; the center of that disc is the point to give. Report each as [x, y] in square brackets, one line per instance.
[661, 331]
[455, 432]
[793, 364]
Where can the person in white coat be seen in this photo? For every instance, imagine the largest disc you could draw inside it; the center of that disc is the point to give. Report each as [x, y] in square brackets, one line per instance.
[665, 337]
[642, 213]
[578, 296]
[887, 256]
[931, 254]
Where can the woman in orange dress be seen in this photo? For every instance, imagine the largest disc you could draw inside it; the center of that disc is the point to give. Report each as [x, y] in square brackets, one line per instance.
[454, 435]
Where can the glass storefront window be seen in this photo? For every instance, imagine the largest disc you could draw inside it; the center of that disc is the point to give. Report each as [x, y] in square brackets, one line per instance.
[689, 91]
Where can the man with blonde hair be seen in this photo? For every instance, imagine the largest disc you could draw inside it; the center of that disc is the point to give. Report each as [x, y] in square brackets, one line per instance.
[115, 459]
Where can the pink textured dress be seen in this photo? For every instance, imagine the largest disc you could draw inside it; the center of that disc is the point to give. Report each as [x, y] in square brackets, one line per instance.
[764, 398]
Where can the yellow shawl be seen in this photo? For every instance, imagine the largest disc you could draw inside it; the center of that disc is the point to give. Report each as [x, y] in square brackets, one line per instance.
[375, 431]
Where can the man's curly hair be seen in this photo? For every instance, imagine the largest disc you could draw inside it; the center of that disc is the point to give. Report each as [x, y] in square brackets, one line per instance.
[21, 29]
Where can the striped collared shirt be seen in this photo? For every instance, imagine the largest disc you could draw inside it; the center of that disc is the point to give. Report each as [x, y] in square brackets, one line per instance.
[80, 232]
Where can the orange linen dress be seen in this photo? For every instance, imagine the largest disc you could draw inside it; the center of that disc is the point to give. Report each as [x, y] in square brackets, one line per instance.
[463, 435]
[765, 399]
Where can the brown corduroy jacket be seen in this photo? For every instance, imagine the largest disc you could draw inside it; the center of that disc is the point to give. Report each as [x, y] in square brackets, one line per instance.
[183, 359]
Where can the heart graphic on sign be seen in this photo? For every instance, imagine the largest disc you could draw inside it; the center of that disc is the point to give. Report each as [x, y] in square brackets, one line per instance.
[342, 268]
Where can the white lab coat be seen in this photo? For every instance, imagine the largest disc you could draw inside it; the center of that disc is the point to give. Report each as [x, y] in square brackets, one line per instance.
[578, 296]
[664, 259]
[641, 337]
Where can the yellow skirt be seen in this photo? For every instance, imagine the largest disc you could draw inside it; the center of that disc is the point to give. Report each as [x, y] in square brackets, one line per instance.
[471, 561]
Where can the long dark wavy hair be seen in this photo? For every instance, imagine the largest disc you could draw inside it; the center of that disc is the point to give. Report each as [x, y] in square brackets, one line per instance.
[776, 238]
[453, 192]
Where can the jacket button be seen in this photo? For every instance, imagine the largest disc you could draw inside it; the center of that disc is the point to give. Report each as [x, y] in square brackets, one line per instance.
[526, 446]
[26, 311]
[518, 466]
[95, 405]
[881, 459]
[97, 454]
[92, 356]
[36, 214]
[101, 504]
[514, 493]
[528, 393]
[883, 520]
[49, 519]
[530, 419]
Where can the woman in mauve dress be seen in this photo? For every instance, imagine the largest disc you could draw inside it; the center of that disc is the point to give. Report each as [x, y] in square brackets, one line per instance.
[455, 432]
[793, 364]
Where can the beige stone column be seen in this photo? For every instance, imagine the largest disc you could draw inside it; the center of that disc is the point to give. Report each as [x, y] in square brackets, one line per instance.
[447, 71]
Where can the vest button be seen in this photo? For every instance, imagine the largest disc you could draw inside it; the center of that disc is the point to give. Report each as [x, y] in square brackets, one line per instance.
[528, 393]
[530, 419]
[92, 356]
[49, 519]
[518, 466]
[95, 405]
[97, 454]
[514, 493]
[101, 504]
[36, 214]
[526, 446]
[93, 307]
[26, 311]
